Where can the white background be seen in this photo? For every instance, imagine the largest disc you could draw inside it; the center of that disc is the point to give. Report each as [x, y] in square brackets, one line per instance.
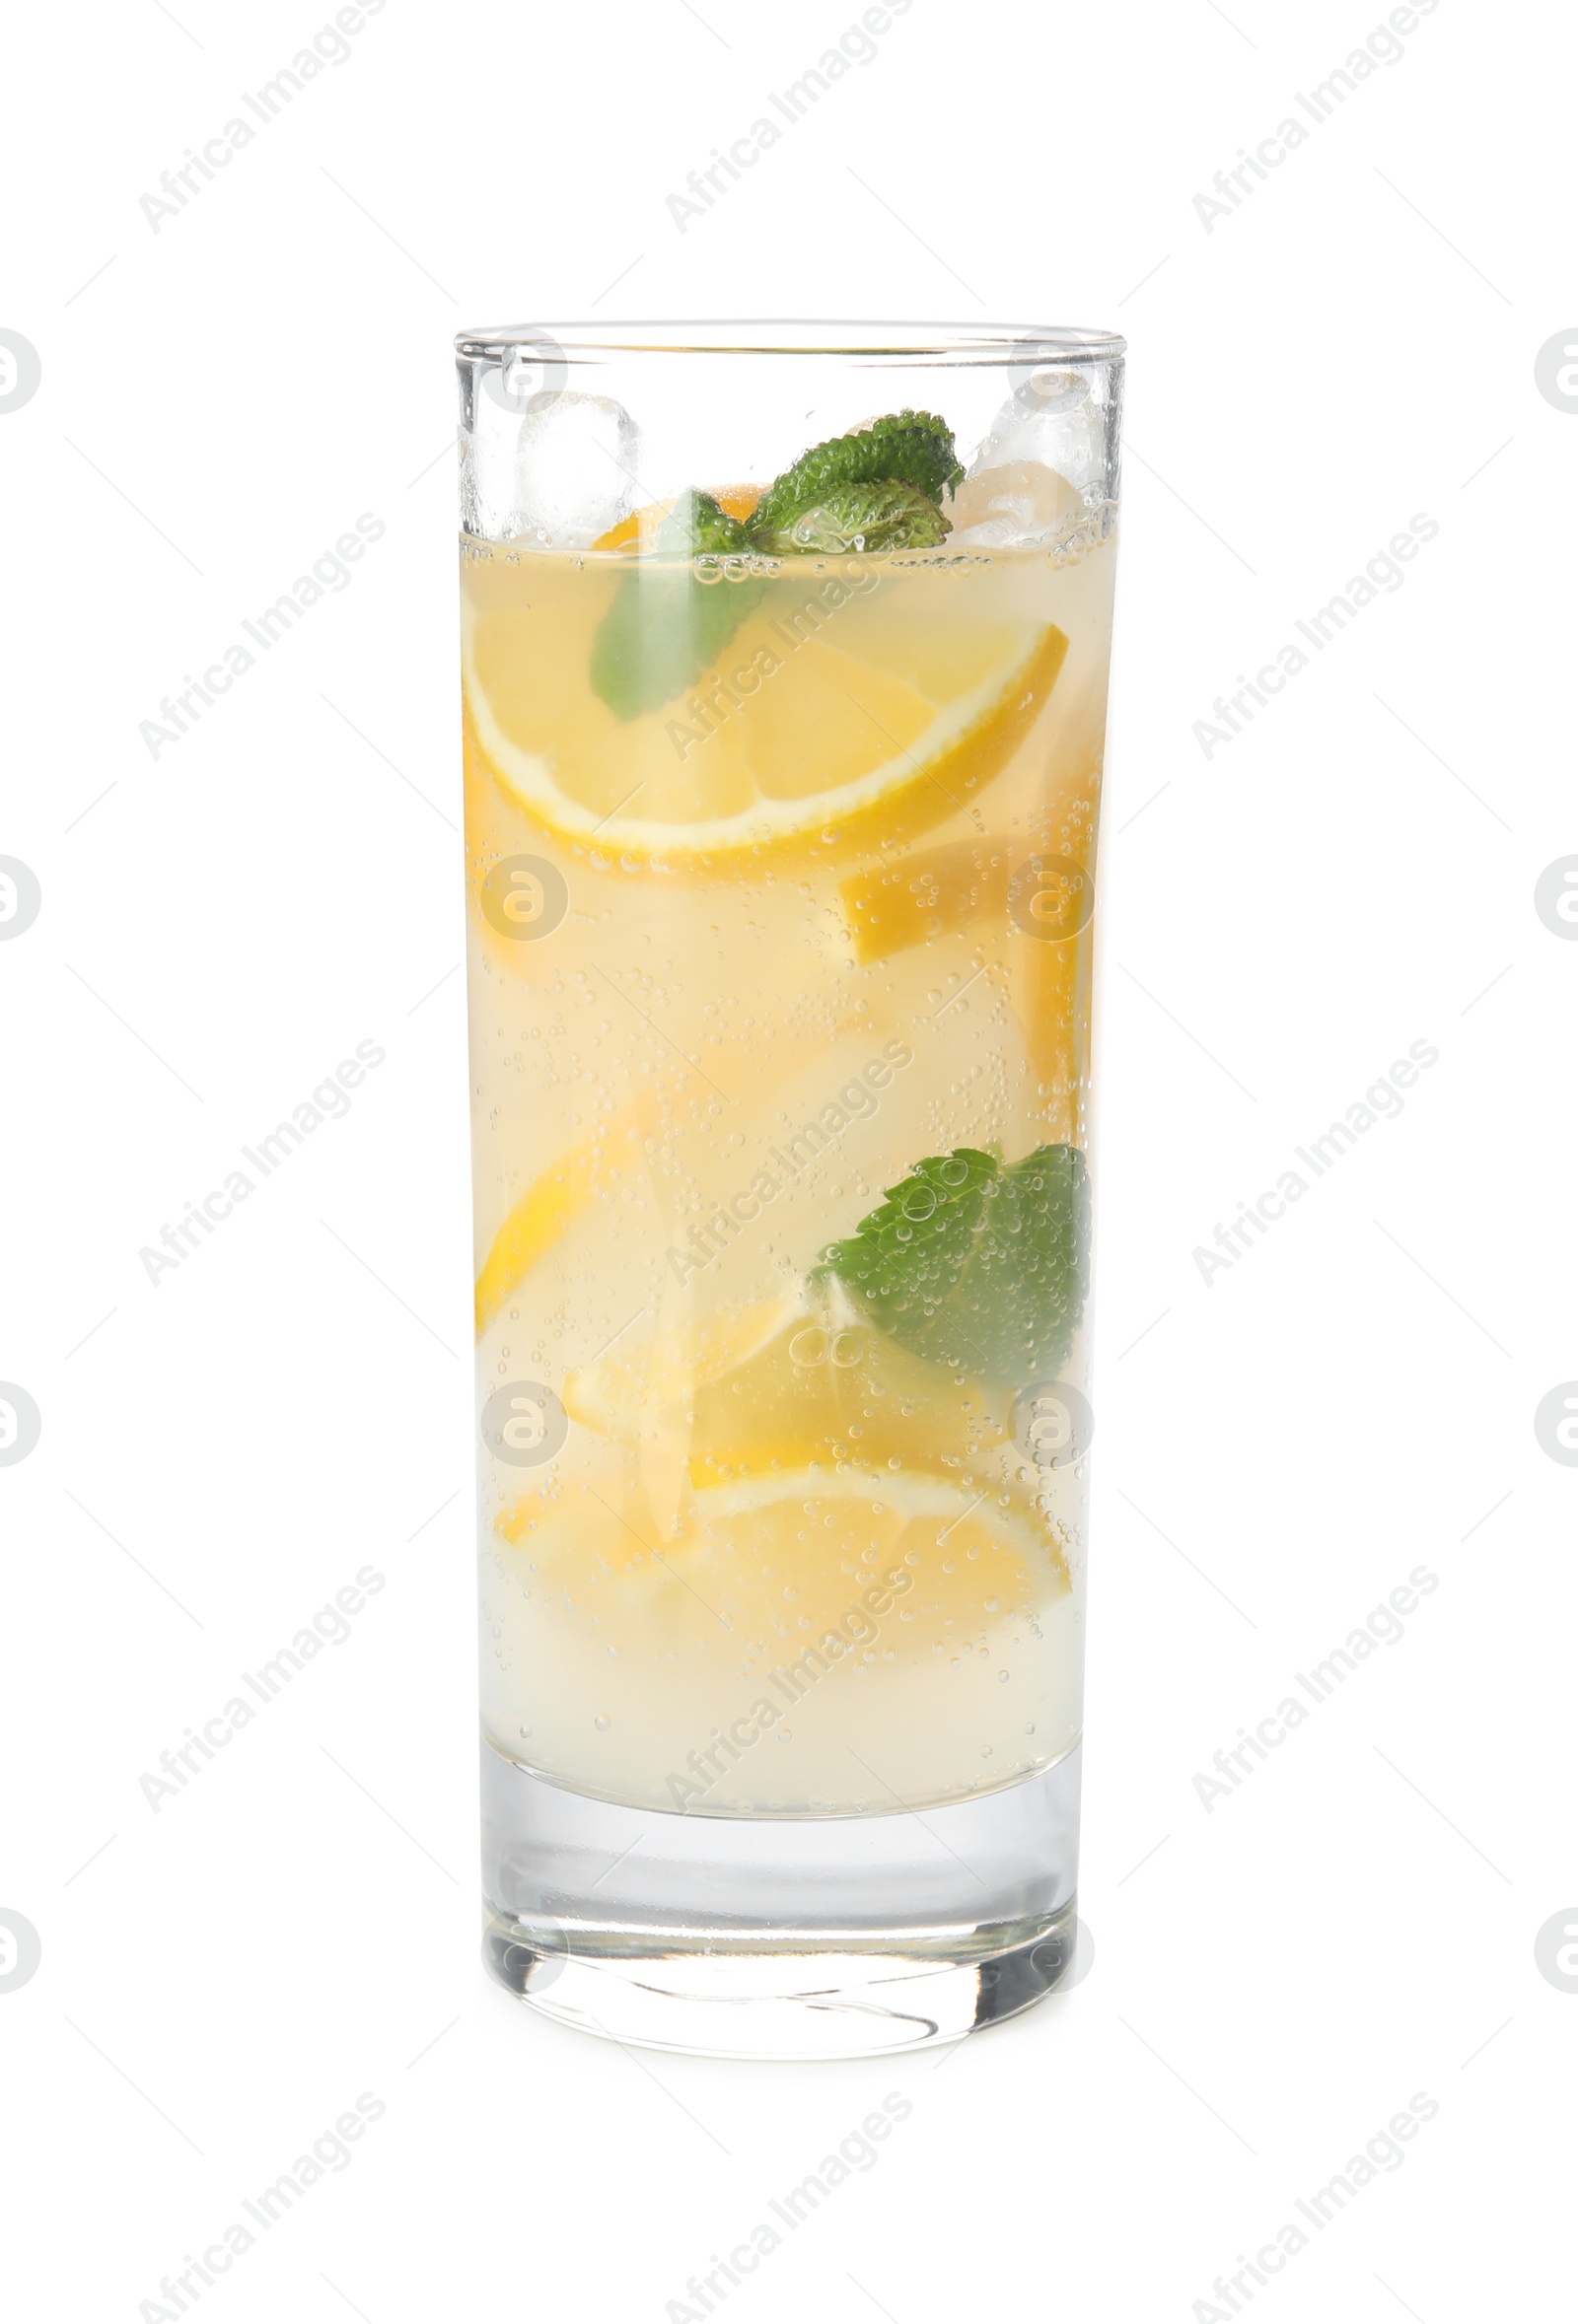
[1273, 1979]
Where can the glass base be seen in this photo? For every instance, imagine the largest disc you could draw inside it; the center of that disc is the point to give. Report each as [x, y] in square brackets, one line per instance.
[779, 1937]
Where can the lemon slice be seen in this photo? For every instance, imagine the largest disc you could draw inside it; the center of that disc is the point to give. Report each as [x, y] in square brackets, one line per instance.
[823, 731]
[631, 1394]
[534, 1226]
[783, 1384]
[786, 1400]
[766, 1554]
[550, 1205]
[639, 531]
[946, 1520]
[826, 1536]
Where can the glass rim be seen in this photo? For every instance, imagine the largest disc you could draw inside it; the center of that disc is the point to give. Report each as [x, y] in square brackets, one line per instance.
[894, 344]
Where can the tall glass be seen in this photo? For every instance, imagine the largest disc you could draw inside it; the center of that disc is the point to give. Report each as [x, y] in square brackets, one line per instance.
[785, 656]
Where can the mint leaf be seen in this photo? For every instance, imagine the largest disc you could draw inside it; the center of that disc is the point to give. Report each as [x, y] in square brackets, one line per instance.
[663, 629]
[696, 526]
[912, 448]
[975, 1264]
[666, 626]
[869, 516]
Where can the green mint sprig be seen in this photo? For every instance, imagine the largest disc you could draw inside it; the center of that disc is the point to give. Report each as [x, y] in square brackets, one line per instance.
[912, 448]
[977, 1264]
[859, 517]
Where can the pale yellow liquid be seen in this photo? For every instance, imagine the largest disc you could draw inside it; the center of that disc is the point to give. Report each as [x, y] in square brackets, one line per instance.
[779, 1565]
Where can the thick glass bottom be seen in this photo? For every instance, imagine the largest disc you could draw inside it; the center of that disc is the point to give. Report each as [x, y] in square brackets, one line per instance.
[779, 1937]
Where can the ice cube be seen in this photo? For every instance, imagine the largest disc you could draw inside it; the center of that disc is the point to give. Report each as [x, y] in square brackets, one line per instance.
[1042, 466]
[1014, 505]
[575, 465]
[1057, 416]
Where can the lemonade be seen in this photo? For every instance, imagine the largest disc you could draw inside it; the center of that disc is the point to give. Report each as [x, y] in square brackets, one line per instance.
[781, 811]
